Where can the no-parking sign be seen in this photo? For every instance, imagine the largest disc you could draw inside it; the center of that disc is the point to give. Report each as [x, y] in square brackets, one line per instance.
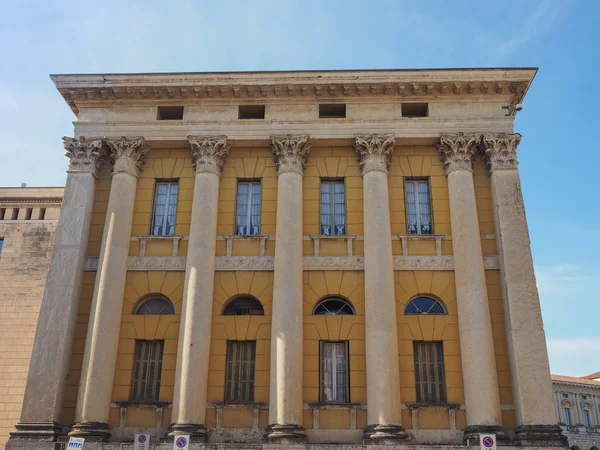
[487, 441]
[181, 442]
[141, 442]
[76, 443]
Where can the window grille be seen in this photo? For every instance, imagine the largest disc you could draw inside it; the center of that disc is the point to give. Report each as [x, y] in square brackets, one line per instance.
[248, 208]
[429, 372]
[165, 208]
[418, 207]
[333, 306]
[239, 380]
[147, 371]
[155, 305]
[333, 208]
[586, 418]
[568, 416]
[334, 372]
[244, 306]
[424, 305]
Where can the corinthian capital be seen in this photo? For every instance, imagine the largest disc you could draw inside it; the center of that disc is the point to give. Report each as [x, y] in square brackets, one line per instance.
[500, 150]
[128, 154]
[86, 155]
[291, 152]
[209, 153]
[374, 151]
[457, 150]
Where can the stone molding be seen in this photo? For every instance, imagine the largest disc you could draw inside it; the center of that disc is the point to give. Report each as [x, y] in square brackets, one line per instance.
[128, 154]
[209, 153]
[291, 152]
[28, 200]
[86, 154]
[500, 150]
[457, 150]
[374, 151]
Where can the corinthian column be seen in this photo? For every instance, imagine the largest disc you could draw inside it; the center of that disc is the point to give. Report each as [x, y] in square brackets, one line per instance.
[482, 397]
[51, 353]
[100, 357]
[383, 376]
[285, 408]
[528, 355]
[191, 376]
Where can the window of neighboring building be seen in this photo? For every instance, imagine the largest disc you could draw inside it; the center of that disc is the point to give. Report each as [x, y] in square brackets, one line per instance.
[568, 416]
[429, 372]
[248, 208]
[244, 306]
[565, 395]
[155, 305]
[584, 397]
[418, 207]
[239, 379]
[424, 305]
[147, 371]
[1, 245]
[586, 418]
[333, 306]
[333, 208]
[334, 372]
[2, 213]
[165, 208]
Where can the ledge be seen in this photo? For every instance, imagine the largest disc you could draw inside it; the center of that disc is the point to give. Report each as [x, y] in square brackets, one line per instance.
[447, 406]
[129, 404]
[325, 405]
[253, 405]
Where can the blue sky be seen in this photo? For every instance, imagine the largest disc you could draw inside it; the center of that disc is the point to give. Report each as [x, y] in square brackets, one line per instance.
[558, 162]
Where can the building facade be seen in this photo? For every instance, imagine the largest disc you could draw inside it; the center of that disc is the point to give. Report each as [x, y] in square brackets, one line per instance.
[292, 258]
[28, 218]
[577, 403]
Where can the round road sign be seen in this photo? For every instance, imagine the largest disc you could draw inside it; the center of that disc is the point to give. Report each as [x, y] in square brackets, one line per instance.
[488, 442]
[181, 442]
[142, 438]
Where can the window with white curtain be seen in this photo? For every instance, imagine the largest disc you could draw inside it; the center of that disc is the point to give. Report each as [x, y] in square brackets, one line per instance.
[418, 207]
[334, 372]
[333, 208]
[165, 208]
[248, 208]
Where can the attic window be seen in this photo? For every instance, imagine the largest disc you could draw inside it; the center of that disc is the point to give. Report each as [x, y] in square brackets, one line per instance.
[170, 113]
[415, 109]
[251, 112]
[332, 111]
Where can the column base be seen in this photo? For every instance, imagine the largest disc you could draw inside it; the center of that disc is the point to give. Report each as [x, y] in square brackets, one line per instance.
[384, 434]
[39, 431]
[540, 436]
[195, 430]
[472, 432]
[285, 434]
[91, 431]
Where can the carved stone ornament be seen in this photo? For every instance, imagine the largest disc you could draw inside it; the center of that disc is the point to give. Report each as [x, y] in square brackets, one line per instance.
[500, 150]
[209, 153]
[291, 152]
[128, 154]
[86, 154]
[374, 151]
[457, 150]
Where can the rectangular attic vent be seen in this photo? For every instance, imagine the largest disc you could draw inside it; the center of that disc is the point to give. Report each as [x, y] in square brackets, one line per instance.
[251, 112]
[170, 113]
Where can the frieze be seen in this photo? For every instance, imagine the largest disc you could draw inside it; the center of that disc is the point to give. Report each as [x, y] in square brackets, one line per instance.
[423, 263]
[334, 263]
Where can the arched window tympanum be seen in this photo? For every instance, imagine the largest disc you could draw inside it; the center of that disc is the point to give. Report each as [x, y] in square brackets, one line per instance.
[425, 306]
[244, 306]
[333, 306]
[155, 305]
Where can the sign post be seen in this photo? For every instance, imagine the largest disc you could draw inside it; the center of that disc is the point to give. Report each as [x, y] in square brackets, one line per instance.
[487, 441]
[181, 442]
[141, 442]
[75, 443]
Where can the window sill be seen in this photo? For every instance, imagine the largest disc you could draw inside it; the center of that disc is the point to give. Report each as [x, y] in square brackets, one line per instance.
[141, 404]
[349, 238]
[404, 238]
[143, 240]
[262, 238]
[253, 405]
[327, 405]
[447, 406]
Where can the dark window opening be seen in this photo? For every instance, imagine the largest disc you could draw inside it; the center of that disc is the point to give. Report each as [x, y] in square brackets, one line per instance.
[170, 113]
[42, 213]
[239, 378]
[334, 372]
[147, 371]
[2, 213]
[415, 109]
[332, 111]
[430, 378]
[244, 306]
[28, 212]
[251, 112]
[15, 213]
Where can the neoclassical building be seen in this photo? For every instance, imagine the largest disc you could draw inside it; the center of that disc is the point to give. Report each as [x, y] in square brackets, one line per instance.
[292, 258]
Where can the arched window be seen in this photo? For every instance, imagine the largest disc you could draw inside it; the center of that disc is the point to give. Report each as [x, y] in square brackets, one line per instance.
[334, 306]
[244, 306]
[155, 304]
[424, 305]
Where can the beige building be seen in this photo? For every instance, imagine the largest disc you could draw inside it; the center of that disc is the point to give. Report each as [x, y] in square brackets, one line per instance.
[28, 218]
[577, 403]
[292, 258]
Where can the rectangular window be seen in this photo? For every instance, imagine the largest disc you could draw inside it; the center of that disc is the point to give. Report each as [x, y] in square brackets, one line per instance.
[147, 371]
[1, 245]
[42, 213]
[584, 397]
[334, 372]
[239, 379]
[251, 112]
[28, 213]
[170, 113]
[429, 372]
[568, 416]
[332, 111]
[418, 207]
[333, 208]
[165, 208]
[565, 395]
[586, 418]
[247, 222]
[415, 109]
[15, 213]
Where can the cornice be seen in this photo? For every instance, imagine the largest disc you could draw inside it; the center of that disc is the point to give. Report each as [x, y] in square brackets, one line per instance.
[19, 200]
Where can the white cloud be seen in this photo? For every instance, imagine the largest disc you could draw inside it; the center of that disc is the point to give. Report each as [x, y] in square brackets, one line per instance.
[574, 357]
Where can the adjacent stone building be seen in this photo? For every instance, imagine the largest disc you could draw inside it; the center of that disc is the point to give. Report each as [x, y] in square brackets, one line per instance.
[577, 403]
[28, 218]
[293, 258]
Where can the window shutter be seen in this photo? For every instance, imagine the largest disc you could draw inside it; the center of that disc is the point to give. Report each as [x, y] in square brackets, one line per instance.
[147, 371]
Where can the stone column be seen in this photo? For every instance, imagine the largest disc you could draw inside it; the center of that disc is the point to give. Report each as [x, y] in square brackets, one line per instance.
[482, 397]
[53, 343]
[285, 405]
[383, 372]
[528, 355]
[191, 376]
[100, 356]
